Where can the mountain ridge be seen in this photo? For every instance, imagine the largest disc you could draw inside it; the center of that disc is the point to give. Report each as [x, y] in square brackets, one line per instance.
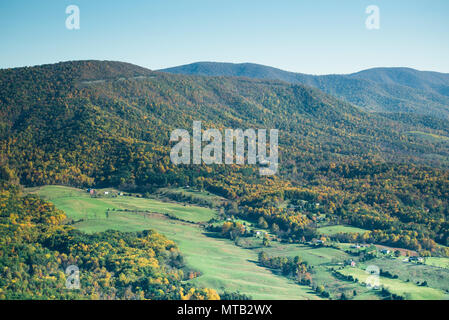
[396, 89]
[107, 103]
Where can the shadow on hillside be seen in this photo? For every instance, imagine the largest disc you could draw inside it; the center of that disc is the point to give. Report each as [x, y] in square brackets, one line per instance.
[214, 235]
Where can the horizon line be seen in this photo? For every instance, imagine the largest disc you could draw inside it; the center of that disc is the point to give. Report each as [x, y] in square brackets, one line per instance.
[224, 62]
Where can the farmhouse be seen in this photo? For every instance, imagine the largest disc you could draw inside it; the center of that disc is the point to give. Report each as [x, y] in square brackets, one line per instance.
[350, 262]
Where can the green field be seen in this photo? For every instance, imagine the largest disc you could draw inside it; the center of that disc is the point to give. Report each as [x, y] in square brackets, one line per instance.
[429, 136]
[314, 256]
[323, 259]
[331, 230]
[78, 204]
[436, 277]
[194, 194]
[224, 266]
[409, 290]
[438, 262]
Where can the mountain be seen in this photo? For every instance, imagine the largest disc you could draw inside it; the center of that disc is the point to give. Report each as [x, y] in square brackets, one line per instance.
[421, 80]
[397, 90]
[108, 124]
[93, 115]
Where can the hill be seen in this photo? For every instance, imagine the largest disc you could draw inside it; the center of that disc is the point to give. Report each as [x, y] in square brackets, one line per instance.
[379, 89]
[422, 80]
[95, 121]
[107, 124]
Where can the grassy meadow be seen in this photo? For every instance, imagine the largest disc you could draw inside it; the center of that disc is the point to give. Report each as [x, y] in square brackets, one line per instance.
[331, 230]
[225, 266]
[408, 289]
[78, 204]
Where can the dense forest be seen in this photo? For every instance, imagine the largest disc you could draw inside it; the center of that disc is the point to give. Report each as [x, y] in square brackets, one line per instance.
[102, 124]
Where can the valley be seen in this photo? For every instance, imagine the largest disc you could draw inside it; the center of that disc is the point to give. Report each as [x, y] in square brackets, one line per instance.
[227, 266]
[252, 153]
[223, 265]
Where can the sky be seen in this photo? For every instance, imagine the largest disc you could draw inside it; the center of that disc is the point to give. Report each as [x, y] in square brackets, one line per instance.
[315, 37]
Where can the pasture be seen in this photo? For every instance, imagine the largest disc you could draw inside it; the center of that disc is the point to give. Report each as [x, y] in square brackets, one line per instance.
[331, 230]
[438, 262]
[78, 204]
[223, 265]
[408, 290]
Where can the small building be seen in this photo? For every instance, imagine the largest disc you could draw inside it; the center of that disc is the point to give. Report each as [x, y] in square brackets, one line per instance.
[106, 192]
[385, 251]
[350, 263]
[416, 259]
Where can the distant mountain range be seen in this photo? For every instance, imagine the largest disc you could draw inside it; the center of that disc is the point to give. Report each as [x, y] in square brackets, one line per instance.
[391, 90]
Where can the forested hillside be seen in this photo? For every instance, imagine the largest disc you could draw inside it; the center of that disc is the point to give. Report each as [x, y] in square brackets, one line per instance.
[37, 248]
[390, 90]
[93, 123]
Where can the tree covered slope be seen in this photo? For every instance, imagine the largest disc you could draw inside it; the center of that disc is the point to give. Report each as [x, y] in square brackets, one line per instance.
[379, 89]
[94, 123]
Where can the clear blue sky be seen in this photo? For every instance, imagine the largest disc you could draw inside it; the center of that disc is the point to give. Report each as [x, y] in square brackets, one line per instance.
[318, 37]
